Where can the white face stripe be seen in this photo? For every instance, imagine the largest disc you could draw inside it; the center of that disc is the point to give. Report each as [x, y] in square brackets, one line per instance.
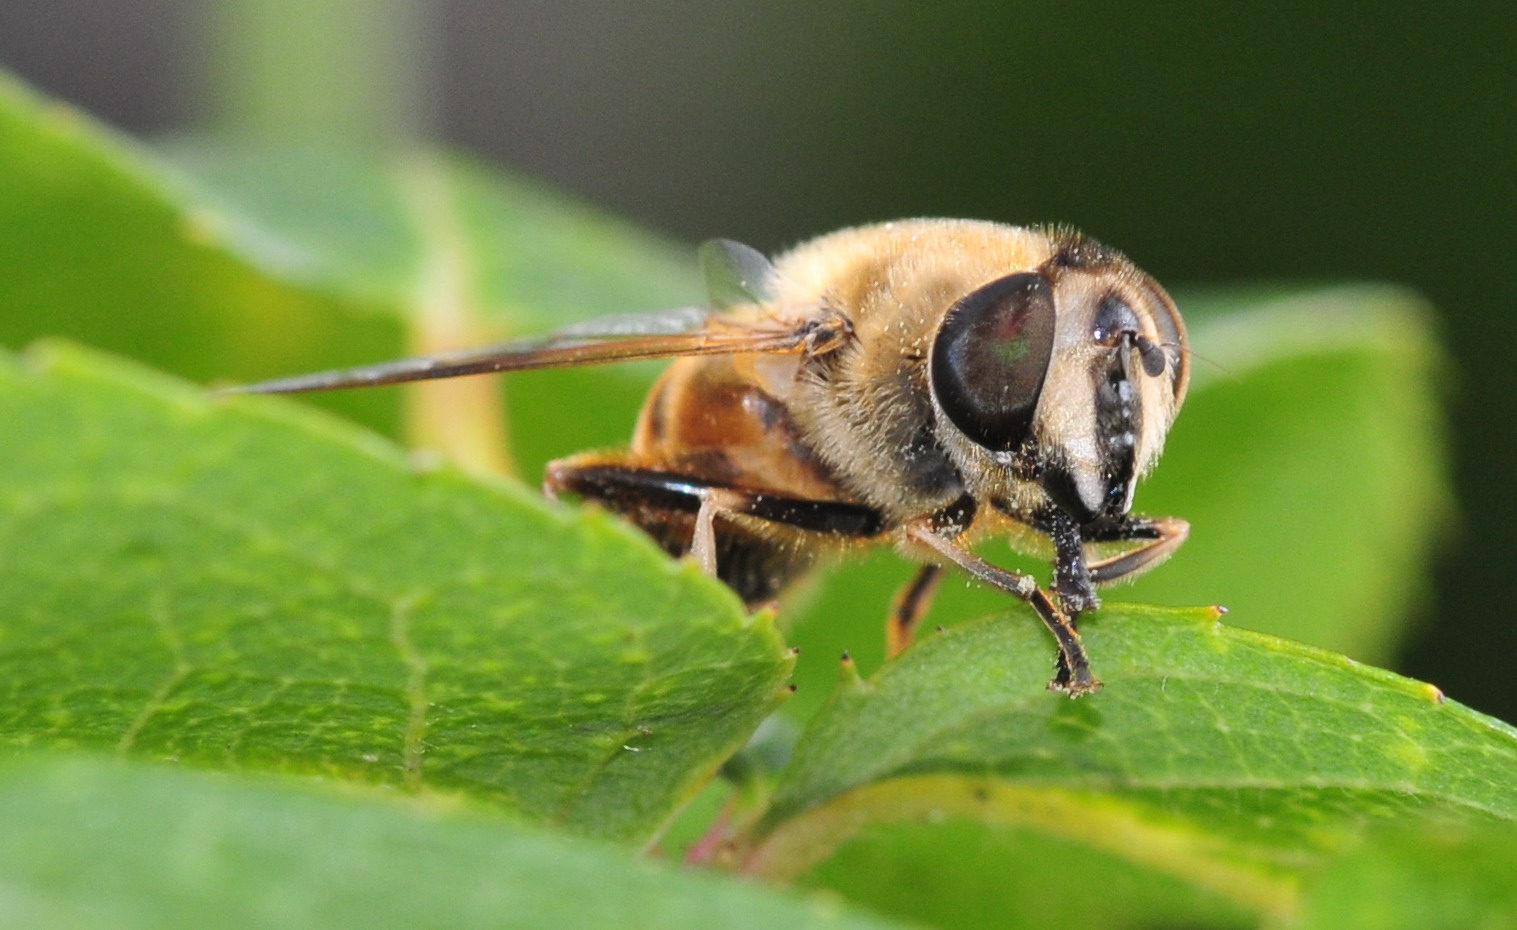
[1067, 424]
[1092, 489]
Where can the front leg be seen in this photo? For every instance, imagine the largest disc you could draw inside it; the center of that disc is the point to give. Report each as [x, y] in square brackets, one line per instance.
[1074, 676]
[1072, 579]
[1160, 536]
[1076, 578]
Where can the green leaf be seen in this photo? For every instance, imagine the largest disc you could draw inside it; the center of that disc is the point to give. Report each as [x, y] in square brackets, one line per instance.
[244, 585]
[1217, 765]
[105, 244]
[381, 228]
[94, 845]
[1429, 877]
[957, 873]
[1309, 460]
[248, 261]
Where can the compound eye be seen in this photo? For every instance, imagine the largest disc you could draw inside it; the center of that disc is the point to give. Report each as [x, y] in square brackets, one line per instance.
[990, 358]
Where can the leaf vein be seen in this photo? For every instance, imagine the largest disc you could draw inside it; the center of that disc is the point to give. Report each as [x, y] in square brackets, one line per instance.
[414, 745]
[162, 619]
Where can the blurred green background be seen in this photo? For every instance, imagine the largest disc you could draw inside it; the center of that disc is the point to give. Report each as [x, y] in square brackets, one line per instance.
[1302, 141]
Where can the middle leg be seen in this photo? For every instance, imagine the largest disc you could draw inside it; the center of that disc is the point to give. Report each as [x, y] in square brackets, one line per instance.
[753, 541]
[910, 605]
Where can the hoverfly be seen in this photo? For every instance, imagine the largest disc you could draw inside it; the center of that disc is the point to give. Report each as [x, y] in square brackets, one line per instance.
[924, 384]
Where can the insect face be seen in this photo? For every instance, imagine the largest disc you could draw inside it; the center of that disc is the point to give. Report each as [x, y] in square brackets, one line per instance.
[1067, 377]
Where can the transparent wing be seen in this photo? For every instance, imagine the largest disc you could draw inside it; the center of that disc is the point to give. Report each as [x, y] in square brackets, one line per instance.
[667, 334]
[736, 274]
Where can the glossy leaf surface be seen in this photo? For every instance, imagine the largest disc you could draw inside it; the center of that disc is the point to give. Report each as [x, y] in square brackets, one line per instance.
[241, 584]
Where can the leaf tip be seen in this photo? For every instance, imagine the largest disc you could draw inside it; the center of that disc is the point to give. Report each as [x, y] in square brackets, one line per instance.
[848, 671]
[764, 620]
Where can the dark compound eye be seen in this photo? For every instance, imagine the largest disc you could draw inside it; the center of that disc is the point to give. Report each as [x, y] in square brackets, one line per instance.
[990, 358]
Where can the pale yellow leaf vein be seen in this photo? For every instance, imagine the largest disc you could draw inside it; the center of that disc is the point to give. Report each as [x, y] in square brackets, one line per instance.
[464, 418]
[414, 747]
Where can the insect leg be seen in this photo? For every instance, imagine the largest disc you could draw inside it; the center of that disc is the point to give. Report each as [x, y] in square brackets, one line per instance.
[910, 604]
[608, 481]
[682, 513]
[1161, 536]
[703, 538]
[1072, 581]
[714, 501]
[1074, 676]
